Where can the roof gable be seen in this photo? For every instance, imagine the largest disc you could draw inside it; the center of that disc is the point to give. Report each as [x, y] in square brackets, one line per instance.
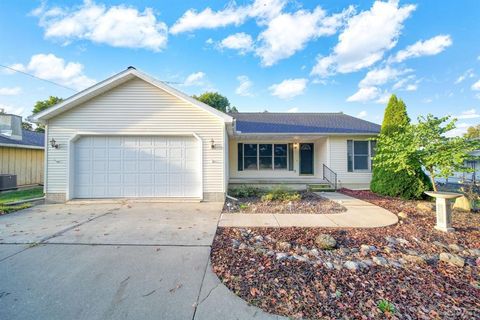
[115, 81]
[31, 139]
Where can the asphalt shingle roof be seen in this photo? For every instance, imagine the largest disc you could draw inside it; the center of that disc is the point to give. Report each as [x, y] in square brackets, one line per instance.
[270, 122]
[29, 138]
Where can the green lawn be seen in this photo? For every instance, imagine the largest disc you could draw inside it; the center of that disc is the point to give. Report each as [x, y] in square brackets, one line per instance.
[13, 196]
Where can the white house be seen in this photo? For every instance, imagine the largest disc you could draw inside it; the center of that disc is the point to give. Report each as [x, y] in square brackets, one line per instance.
[133, 136]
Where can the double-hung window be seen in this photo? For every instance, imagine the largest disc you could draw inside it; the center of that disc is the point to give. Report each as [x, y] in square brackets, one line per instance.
[359, 155]
[265, 156]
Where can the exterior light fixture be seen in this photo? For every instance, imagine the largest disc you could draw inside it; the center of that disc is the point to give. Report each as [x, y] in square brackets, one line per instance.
[212, 143]
[54, 143]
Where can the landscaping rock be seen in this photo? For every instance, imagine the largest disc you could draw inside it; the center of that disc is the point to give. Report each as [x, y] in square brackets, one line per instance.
[365, 249]
[281, 256]
[389, 249]
[258, 238]
[452, 259]
[402, 241]
[414, 259]
[478, 262]
[425, 206]
[430, 258]
[380, 261]
[402, 215]
[328, 265]
[325, 242]
[242, 246]
[391, 240]
[368, 262]
[270, 253]
[314, 252]
[440, 245]
[351, 265]
[455, 247]
[235, 243]
[463, 204]
[300, 258]
[284, 246]
[395, 263]
[474, 252]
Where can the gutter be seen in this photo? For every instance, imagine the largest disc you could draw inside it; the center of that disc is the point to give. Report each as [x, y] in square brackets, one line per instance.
[21, 146]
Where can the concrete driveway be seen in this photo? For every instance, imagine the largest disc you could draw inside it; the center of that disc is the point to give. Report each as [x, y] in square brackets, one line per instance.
[114, 261]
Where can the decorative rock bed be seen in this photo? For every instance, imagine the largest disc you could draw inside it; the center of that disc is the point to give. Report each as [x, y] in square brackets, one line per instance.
[394, 254]
[309, 203]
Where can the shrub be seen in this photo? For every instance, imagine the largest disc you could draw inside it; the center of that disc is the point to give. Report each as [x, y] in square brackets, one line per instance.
[245, 191]
[386, 306]
[400, 184]
[281, 194]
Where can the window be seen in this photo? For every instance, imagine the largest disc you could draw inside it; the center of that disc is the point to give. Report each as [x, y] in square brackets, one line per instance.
[265, 156]
[250, 156]
[359, 155]
[280, 152]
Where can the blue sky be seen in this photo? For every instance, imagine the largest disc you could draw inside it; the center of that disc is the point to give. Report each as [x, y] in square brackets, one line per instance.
[275, 55]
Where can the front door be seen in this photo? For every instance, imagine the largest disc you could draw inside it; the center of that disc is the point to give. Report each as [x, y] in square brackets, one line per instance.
[306, 158]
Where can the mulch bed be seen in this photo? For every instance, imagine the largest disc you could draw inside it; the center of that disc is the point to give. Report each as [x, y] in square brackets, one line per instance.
[298, 289]
[310, 203]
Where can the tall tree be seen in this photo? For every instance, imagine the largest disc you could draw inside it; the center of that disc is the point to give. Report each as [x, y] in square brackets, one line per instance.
[397, 183]
[473, 132]
[42, 105]
[216, 100]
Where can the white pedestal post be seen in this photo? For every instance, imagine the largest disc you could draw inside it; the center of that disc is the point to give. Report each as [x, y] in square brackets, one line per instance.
[444, 215]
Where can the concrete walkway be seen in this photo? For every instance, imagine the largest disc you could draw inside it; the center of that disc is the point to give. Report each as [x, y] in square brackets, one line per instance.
[359, 214]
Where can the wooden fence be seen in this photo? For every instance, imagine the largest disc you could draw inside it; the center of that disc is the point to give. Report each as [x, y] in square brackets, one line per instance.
[27, 164]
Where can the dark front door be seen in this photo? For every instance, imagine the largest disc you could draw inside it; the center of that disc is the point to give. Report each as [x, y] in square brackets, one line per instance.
[306, 158]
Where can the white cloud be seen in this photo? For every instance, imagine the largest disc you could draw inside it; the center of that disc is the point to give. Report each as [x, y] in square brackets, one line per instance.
[209, 41]
[239, 41]
[427, 100]
[460, 130]
[468, 114]
[476, 86]
[428, 47]
[10, 91]
[195, 79]
[232, 15]
[411, 87]
[466, 75]
[118, 26]
[293, 110]
[365, 94]
[381, 76]
[19, 111]
[288, 33]
[365, 39]
[383, 98]
[53, 68]
[288, 88]
[362, 114]
[244, 87]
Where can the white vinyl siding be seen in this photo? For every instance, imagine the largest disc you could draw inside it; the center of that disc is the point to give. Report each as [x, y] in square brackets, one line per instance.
[137, 107]
[338, 163]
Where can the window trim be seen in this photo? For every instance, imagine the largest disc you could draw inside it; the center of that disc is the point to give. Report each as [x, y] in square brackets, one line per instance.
[273, 157]
[369, 156]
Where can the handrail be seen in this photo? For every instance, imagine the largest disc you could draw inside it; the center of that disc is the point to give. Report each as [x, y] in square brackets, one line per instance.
[330, 176]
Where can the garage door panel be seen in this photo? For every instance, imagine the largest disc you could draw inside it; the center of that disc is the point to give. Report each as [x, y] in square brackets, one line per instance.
[136, 166]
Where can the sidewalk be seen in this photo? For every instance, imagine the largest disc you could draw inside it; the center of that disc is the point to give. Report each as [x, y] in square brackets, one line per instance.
[359, 214]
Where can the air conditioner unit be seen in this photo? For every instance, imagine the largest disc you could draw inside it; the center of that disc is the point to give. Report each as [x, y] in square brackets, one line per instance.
[8, 182]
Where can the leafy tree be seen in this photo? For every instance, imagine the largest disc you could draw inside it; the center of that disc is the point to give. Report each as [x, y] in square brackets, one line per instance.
[426, 144]
[473, 132]
[27, 126]
[42, 105]
[397, 183]
[216, 100]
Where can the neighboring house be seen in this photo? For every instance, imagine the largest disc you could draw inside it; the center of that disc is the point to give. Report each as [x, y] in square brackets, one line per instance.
[21, 151]
[134, 136]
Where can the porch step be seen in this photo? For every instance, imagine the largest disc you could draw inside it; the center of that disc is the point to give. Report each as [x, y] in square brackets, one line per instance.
[318, 187]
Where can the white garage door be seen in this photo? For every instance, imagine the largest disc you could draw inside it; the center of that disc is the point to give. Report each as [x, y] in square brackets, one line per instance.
[136, 166]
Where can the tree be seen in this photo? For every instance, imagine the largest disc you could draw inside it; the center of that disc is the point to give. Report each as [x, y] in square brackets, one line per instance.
[42, 105]
[426, 144]
[473, 132]
[27, 126]
[397, 183]
[216, 100]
